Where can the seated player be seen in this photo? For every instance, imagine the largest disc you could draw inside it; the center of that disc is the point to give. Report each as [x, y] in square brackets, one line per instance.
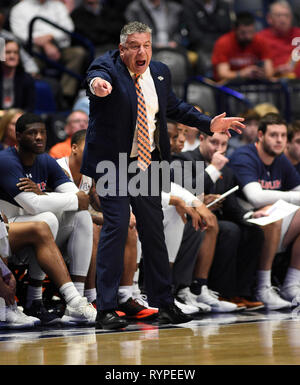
[64, 209]
[32, 243]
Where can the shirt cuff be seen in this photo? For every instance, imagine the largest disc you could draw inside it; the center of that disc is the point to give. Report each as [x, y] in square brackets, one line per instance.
[91, 85]
[213, 173]
[248, 215]
[165, 199]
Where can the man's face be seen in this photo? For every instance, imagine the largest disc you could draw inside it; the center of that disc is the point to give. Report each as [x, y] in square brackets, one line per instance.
[211, 144]
[280, 18]
[177, 135]
[33, 139]
[136, 53]
[180, 138]
[172, 133]
[245, 34]
[77, 150]
[11, 54]
[77, 121]
[293, 147]
[274, 140]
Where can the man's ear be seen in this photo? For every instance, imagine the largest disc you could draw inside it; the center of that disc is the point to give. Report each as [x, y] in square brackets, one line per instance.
[74, 147]
[121, 49]
[260, 134]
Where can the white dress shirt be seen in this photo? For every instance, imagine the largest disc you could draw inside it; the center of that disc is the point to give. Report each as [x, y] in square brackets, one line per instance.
[148, 88]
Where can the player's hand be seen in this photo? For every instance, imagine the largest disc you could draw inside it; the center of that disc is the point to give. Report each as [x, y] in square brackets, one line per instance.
[179, 206]
[208, 198]
[208, 219]
[101, 87]
[222, 124]
[28, 185]
[218, 160]
[259, 214]
[183, 210]
[132, 221]
[83, 200]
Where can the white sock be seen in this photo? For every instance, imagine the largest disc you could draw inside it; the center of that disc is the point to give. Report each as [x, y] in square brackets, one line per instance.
[90, 294]
[124, 293]
[69, 292]
[135, 290]
[263, 278]
[80, 287]
[33, 293]
[136, 276]
[292, 277]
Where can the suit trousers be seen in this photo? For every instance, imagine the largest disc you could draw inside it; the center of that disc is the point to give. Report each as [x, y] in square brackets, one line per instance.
[149, 222]
[236, 257]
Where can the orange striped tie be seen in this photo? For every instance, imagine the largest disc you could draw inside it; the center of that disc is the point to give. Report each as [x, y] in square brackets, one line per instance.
[143, 140]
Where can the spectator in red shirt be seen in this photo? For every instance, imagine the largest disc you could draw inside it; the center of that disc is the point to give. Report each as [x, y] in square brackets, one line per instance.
[279, 37]
[241, 53]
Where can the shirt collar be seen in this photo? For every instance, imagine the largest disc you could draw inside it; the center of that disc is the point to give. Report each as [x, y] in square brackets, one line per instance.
[145, 75]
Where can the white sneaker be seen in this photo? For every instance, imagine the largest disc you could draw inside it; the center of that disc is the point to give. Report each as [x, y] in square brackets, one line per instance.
[16, 319]
[270, 297]
[81, 312]
[211, 298]
[142, 299]
[186, 309]
[191, 299]
[291, 293]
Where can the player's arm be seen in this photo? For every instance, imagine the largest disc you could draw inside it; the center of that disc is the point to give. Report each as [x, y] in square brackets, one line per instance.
[259, 197]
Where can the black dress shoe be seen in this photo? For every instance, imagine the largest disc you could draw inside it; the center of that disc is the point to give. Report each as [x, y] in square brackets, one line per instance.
[171, 314]
[109, 319]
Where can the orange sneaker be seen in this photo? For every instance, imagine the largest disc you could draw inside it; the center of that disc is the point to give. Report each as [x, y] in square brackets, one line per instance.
[120, 313]
[134, 310]
[250, 305]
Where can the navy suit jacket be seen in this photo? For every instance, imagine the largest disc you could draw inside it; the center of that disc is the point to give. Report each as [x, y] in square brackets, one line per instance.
[112, 119]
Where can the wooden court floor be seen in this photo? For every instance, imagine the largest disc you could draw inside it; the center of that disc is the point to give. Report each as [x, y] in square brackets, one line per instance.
[253, 338]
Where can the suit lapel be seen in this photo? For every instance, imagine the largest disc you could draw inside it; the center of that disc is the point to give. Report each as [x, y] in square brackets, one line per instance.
[158, 82]
[127, 81]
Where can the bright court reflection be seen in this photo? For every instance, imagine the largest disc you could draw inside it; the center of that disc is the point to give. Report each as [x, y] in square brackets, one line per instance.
[259, 339]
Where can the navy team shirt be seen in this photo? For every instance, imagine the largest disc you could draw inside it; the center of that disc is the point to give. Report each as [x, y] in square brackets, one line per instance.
[45, 172]
[248, 167]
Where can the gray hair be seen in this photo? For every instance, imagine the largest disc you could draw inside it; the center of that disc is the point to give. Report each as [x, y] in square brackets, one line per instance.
[133, 27]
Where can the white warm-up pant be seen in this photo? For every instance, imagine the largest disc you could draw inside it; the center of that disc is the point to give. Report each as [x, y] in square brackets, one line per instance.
[72, 231]
[173, 230]
[284, 228]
